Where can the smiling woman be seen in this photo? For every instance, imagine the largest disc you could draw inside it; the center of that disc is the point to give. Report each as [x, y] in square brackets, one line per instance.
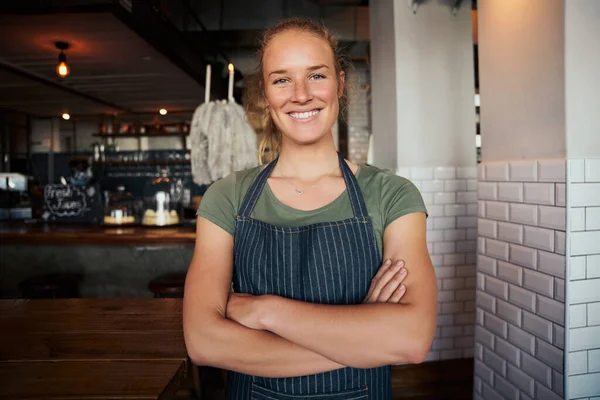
[316, 310]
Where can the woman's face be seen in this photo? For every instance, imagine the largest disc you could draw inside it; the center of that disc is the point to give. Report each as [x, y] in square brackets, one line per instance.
[301, 85]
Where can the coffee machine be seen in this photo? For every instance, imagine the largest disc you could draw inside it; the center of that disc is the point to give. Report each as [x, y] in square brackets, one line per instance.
[14, 197]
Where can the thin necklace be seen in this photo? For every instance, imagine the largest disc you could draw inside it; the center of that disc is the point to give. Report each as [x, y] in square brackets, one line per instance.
[303, 191]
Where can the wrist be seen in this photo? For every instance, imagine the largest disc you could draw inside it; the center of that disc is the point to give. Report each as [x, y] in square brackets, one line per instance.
[267, 309]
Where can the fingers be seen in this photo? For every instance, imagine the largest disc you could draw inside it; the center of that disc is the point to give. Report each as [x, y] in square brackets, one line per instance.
[385, 276]
[393, 284]
[398, 293]
[384, 268]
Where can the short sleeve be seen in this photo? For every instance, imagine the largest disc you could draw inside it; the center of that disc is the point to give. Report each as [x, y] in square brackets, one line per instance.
[399, 197]
[218, 204]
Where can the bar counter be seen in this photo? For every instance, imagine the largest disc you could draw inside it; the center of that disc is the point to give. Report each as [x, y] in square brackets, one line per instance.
[20, 233]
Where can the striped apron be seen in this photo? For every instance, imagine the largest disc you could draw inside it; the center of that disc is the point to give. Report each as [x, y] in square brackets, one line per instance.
[323, 263]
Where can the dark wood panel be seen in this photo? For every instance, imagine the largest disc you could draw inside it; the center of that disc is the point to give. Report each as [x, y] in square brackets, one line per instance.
[92, 306]
[89, 379]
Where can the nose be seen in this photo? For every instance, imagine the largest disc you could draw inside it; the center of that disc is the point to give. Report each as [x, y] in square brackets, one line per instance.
[302, 92]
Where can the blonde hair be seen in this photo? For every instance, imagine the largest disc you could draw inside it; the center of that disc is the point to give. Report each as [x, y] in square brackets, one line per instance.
[255, 98]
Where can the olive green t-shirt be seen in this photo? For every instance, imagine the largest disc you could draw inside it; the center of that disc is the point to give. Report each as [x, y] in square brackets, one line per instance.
[387, 197]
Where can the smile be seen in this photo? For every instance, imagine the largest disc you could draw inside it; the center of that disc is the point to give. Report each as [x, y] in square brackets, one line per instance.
[304, 116]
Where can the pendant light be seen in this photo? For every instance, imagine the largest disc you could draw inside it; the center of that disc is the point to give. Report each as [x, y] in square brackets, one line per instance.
[62, 69]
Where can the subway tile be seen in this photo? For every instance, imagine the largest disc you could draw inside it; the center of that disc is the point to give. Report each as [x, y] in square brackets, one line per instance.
[490, 394]
[539, 238]
[486, 265]
[465, 319]
[561, 195]
[540, 327]
[442, 344]
[444, 173]
[506, 389]
[451, 331]
[577, 266]
[481, 209]
[577, 217]
[592, 218]
[432, 356]
[521, 380]
[523, 171]
[480, 245]
[522, 297]
[508, 312]
[444, 222]
[545, 393]
[496, 325]
[453, 283]
[511, 273]
[466, 197]
[551, 263]
[510, 232]
[484, 337]
[466, 222]
[432, 186]
[456, 307]
[594, 361]
[453, 210]
[429, 223]
[487, 190]
[484, 372]
[453, 259]
[466, 246]
[584, 291]
[496, 171]
[436, 260]
[481, 172]
[430, 247]
[463, 342]
[471, 258]
[510, 191]
[496, 287]
[468, 352]
[487, 227]
[559, 289]
[444, 198]
[445, 296]
[584, 385]
[455, 185]
[465, 294]
[538, 282]
[478, 351]
[552, 217]
[435, 235]
[551, 309]
[537, 369]
[549, 354]
[584, 195]
[469, 306]
[558, 336]
[486, 302]
[472, 233]
[578, 362]
[523, 340]
[421, 173]
[576, 170]
[558, 383]
[584, 338]
[524, 256]
[435, 210]
[494, 361]
[466, 270]
[450, 354]
[404, 172]
[472, 185]
[507, 351]
[560, 242]
[469, 330]
[496, 249]
[427, 198]
[472, 209]
[592, 170]
[552, 171]
[538, 193]
[466, 172]
[593, 313]
[496, 210]
[523, 214]
[444, 247]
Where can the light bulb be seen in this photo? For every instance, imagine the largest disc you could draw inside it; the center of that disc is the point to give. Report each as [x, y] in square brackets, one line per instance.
[162, 111]
[66, 117]
[230, 67]
[62, 69]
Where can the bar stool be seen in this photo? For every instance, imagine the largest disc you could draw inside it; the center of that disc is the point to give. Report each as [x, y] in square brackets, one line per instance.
[168, 285]
[62, 285]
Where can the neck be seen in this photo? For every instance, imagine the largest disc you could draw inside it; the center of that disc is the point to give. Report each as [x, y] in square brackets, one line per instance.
[308, 162]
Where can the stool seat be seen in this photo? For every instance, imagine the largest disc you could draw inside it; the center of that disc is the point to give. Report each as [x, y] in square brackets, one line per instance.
[60, 285]
[168, 285]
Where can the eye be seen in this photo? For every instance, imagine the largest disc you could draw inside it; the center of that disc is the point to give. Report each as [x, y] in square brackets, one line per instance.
[318, 77]
[279, 81]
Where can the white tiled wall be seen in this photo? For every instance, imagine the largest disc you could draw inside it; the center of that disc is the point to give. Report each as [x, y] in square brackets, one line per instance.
[359, 122]
[583, 284]
[450, 194]
[520, 313]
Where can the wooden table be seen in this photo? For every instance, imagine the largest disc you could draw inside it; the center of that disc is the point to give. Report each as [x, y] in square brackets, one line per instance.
[91, 349]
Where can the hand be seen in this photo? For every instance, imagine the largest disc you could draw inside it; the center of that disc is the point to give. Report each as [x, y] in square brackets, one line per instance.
[244, 309]
[386, 285]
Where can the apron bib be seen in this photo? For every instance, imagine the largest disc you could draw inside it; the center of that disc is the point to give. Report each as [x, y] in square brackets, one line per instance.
[323, 263]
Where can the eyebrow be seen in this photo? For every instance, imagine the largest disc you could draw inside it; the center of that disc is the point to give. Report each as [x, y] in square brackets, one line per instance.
[313, 68]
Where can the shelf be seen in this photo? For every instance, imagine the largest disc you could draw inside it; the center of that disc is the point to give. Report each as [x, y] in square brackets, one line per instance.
[137, 135]
[143, 162]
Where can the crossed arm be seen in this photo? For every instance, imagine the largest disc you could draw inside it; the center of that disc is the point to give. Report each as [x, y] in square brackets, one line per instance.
[276, 337]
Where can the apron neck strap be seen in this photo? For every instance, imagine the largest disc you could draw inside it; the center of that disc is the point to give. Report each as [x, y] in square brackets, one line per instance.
[356, 199]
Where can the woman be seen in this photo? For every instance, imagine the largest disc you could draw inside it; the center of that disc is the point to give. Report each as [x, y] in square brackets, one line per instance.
[314, 314]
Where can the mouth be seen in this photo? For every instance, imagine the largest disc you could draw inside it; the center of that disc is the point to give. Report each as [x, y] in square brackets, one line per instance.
[304, 116]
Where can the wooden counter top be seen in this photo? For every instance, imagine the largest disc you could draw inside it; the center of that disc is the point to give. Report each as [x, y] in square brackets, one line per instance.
[68, 235]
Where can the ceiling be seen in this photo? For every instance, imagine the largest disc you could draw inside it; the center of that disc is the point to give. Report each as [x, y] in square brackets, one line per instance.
[113, 70]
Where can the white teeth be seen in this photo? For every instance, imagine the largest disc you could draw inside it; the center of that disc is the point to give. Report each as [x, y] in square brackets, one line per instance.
[304, 115]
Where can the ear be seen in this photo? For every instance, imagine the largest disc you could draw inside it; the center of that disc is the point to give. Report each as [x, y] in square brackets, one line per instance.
[341, 83]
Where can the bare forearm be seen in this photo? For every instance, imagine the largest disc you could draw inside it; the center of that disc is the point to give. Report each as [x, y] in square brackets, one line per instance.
[229, 345]
[360, 336]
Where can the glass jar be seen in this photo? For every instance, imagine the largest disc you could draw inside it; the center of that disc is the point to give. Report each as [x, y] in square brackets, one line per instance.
[120, 208]
[162, 200]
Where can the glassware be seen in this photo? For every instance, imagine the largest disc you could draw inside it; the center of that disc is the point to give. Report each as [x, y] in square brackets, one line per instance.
[162, 200]
[120, 208]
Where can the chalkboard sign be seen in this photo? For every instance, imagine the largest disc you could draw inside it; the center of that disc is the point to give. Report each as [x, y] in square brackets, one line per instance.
[72, 203]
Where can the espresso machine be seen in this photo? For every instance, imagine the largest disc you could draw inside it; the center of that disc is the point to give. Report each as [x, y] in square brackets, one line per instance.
[14, 197]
